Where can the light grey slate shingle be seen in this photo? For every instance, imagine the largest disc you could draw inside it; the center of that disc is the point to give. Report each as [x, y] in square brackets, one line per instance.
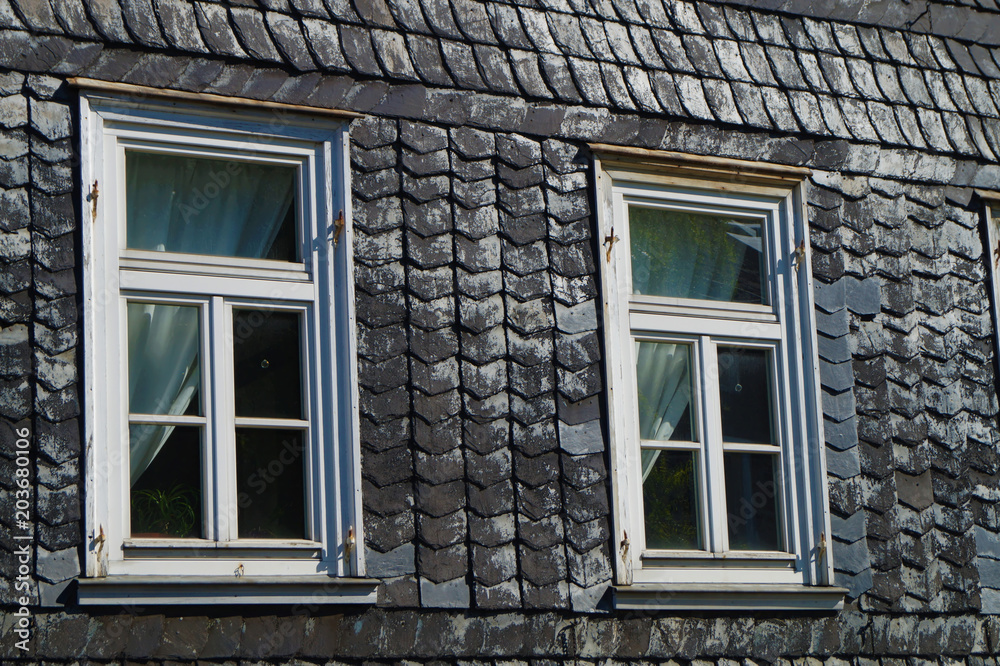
[642, 39]
[720, 99]
[289, 39]
[621, 43]
[672, 51]
[179, 24]
[107, 17]
[751, 105]
[639, 85]
[912, 84]
[692, 96]
[614, 83]
[426, 55]
[813, 73]
[141, 19]
[324, 41]
[731, 60]
[779, 108]
[587, 75]
[884, 121]
[507, 26]
[528, 74]
[473, 21]
[252, 33]
[215, 30]
[390, 48]
[568, 35]
[440, 18]
[537, 29]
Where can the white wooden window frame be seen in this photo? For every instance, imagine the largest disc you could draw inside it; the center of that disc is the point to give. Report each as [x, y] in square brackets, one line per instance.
[799, 577]
[991, 216]
[320, 287]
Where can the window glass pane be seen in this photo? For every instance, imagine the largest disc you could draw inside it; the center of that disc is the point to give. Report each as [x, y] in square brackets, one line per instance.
[198, 205]
[752, 501]
[663, 382]
[690, 255]
[268, 363]
[746, 395]
[164, 368]
[270, 483]
[669, 498]
[166, 493]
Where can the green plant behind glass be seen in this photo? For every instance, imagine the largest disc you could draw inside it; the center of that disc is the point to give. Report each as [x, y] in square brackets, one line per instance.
[169, 512]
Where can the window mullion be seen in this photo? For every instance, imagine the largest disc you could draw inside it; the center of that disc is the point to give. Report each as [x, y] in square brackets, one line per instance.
[209, 437]
[716, 488]
[224, 427]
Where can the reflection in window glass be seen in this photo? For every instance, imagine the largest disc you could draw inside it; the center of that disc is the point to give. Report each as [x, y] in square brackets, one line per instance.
[752, 501]
[270, 481]
[681, 254]
[198, 205]
[267, 363]
[669, 498]
[745, 393]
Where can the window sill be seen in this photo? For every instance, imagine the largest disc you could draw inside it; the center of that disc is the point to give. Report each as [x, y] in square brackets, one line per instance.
[204, 590]
[695, 596]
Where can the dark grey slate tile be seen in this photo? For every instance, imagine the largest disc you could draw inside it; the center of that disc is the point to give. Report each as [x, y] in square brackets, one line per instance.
[720, 99]
[786, 68]
[288, 37]
[614, 83]
[507, 26]
[358, 49]
[621, 43]
[141, 20]
[642, 40]
[779, 109]
[409, 15]
[215, 30]
[702, 55]
[813, 74]
[912, 84]
[249, 28]
[751, 105]
[554, 69]
[672, 51]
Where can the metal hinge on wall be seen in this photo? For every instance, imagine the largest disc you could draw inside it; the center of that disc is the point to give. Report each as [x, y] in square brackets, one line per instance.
[338, 227]
[610, 241]
[92, 198]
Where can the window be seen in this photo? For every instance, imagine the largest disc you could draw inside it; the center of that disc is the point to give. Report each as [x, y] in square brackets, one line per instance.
[712, 366]
[991, 202]
[221, 420]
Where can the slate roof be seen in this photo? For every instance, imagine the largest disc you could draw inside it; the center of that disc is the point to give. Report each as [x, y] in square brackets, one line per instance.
[702, 61]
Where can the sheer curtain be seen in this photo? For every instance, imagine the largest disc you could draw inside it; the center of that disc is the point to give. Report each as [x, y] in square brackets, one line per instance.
[679, 255]
[196, 206]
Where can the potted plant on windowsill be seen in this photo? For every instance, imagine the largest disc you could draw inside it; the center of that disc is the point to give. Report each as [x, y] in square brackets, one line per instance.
[159, 513]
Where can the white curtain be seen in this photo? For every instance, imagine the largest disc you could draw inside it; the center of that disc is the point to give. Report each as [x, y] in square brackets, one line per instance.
[195, 206]
[682, 256]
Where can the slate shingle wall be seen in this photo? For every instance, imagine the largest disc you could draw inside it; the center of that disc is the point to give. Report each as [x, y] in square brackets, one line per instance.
[39, 335]
[484, 473]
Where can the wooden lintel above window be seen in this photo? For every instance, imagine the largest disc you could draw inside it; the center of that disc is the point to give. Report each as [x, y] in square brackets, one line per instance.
[701, 166]
[993, 197]
[138, 92]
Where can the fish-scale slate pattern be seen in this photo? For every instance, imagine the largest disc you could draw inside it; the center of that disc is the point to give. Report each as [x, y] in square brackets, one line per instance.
[702, 61]
[973, 20]
[480, 369]
[38, 330]
[903, 297]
